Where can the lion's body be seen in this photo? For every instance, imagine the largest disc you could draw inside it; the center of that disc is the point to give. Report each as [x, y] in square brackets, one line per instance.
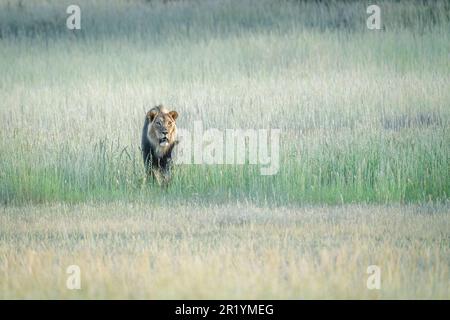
[158, 140]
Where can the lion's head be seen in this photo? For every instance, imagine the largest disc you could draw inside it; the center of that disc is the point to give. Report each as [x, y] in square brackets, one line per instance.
[162, 129]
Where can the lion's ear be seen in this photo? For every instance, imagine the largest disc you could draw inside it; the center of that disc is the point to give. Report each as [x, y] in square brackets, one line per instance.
[152, 114]
[174, 115]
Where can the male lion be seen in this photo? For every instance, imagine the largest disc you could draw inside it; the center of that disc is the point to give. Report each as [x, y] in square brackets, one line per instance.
[158, 140]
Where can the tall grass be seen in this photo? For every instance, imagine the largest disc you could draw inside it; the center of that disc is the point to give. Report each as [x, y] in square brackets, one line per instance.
[364, 114]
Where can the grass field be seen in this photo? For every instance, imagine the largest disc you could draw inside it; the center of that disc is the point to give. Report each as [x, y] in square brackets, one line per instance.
[136, 251]
[364, 165]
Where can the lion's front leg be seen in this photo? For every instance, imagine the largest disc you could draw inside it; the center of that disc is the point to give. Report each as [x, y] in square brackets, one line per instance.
[165, 171]
[166, 178]
[159, 177]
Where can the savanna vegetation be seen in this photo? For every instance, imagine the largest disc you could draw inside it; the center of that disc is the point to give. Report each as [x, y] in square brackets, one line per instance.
[364, 151]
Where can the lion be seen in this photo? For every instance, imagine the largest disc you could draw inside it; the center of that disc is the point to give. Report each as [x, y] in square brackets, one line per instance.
[158, 140]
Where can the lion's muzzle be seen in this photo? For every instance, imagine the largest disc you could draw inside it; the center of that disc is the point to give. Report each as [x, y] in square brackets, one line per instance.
[163, 142]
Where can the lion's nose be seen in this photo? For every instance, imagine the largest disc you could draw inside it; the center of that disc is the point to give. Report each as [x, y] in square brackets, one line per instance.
[165, 132]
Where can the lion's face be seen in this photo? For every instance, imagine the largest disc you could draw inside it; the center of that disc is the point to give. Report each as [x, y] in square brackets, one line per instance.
[162, 129]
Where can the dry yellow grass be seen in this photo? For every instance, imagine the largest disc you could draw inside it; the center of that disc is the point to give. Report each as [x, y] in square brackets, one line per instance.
[234, 251]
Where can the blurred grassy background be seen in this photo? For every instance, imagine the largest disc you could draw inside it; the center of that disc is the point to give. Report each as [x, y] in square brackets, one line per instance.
[364, 114]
